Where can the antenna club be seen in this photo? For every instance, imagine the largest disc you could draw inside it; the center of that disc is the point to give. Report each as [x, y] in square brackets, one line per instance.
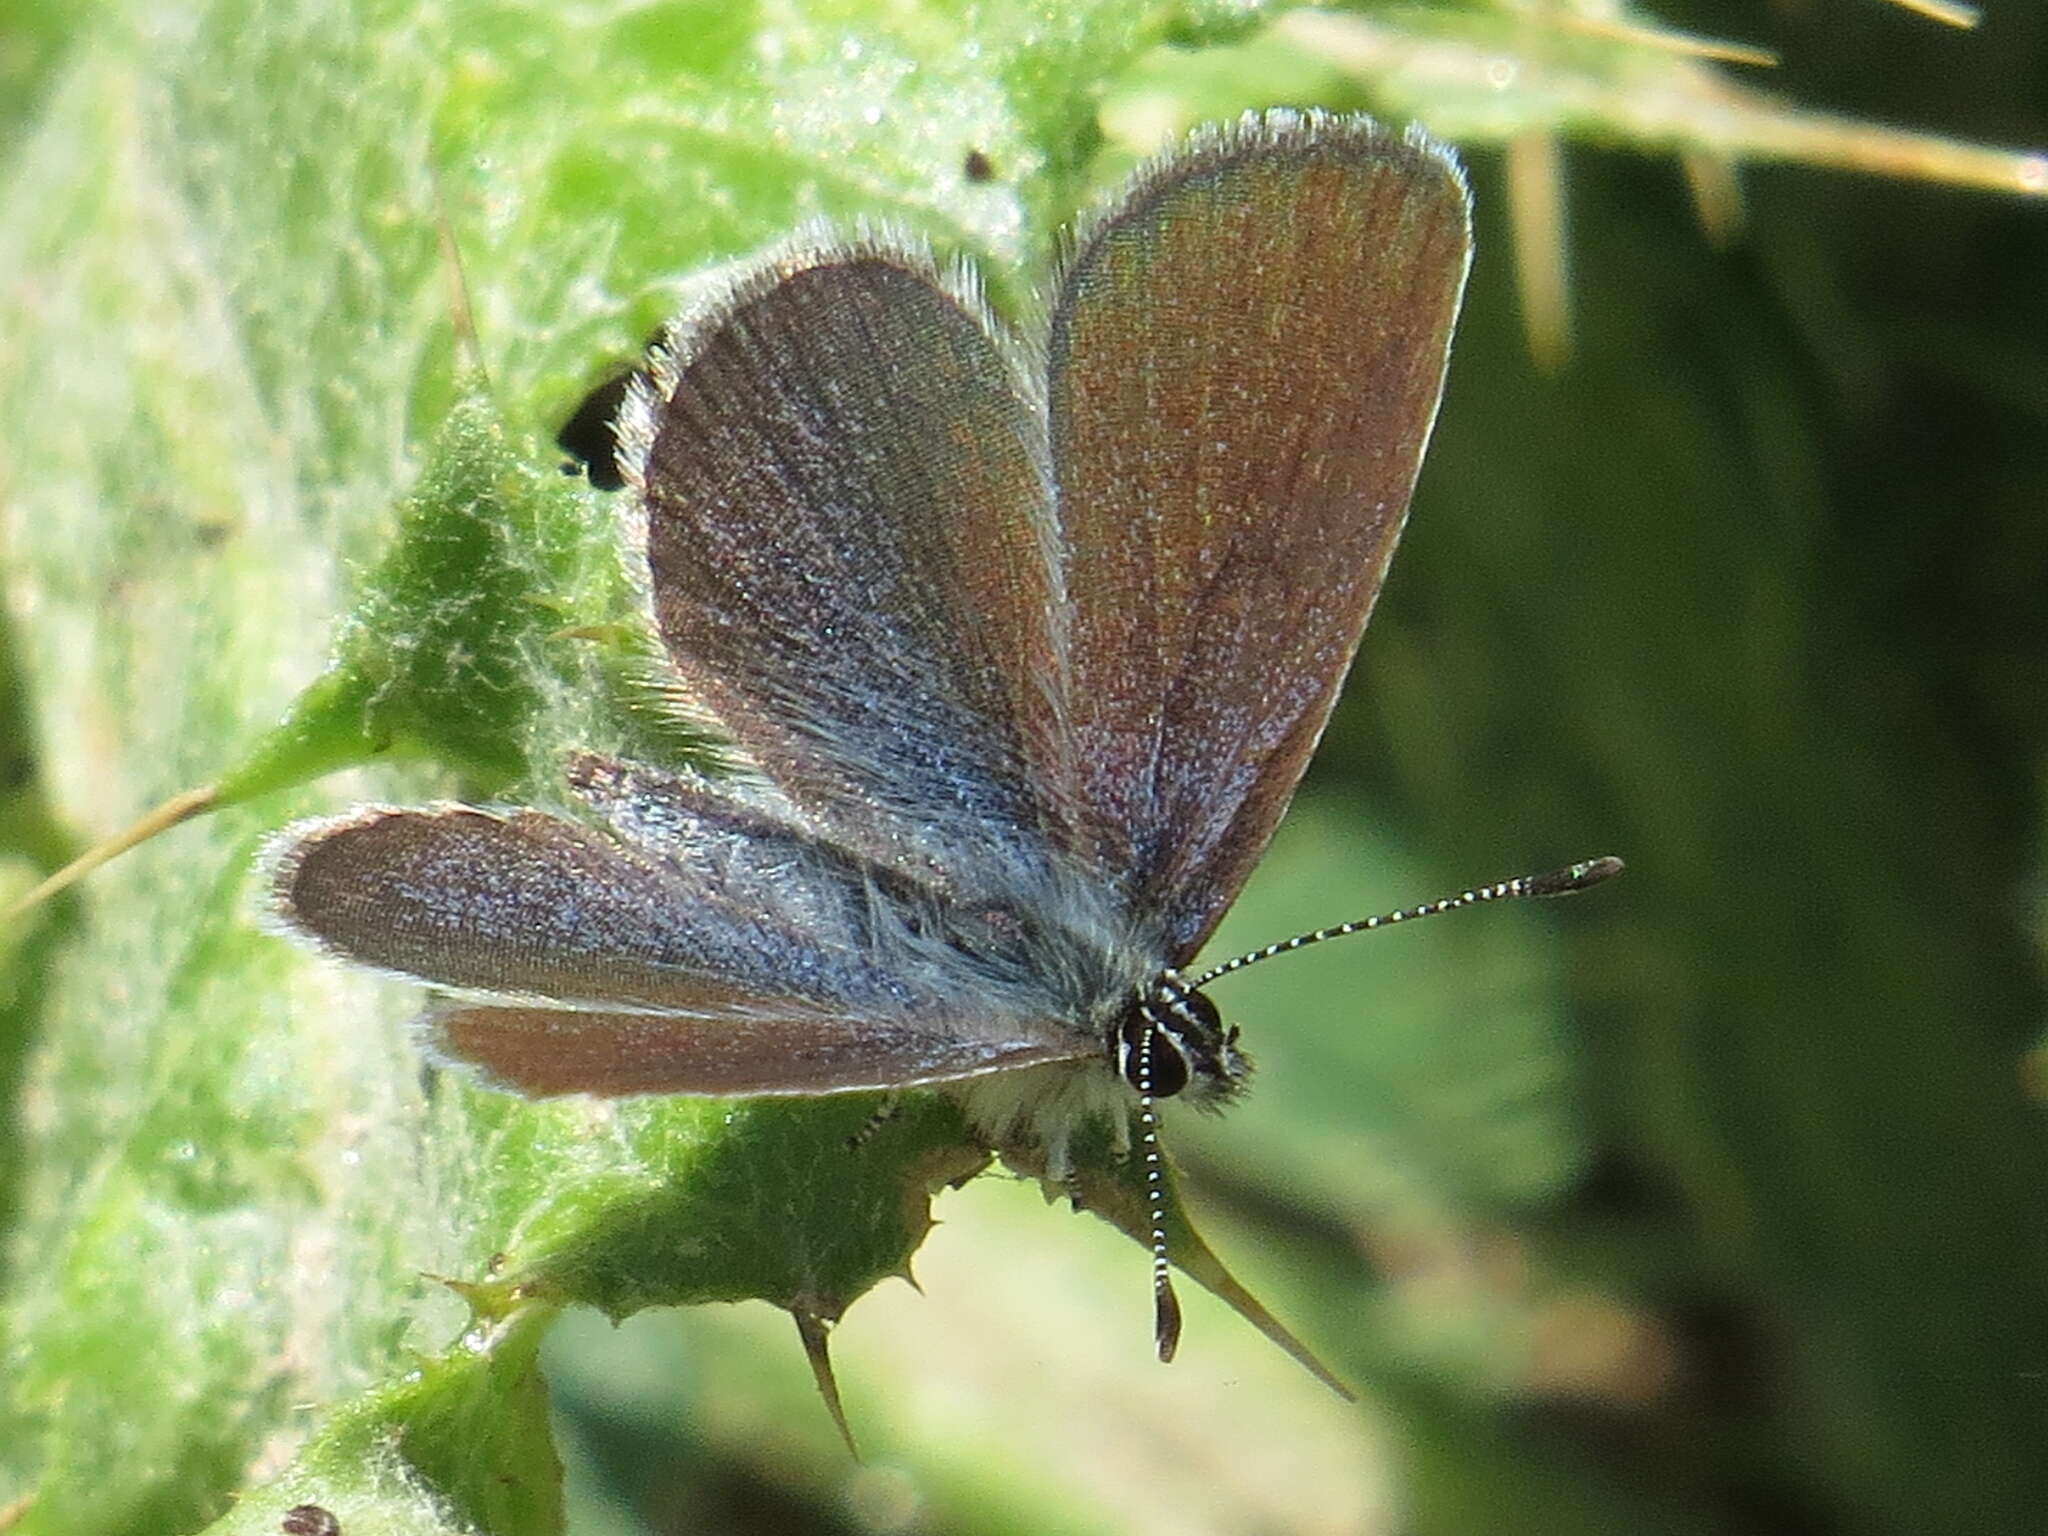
[1575, 877]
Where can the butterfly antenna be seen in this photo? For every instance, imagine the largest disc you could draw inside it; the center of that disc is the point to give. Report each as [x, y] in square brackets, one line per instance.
[1559, 882]
[1165, 1304]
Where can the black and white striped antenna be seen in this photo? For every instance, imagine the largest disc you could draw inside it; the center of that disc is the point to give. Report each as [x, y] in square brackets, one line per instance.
[1559, 882]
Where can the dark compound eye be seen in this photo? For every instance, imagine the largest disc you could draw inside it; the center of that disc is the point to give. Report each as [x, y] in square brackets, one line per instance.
[1151, 1055]
[1169, 1066]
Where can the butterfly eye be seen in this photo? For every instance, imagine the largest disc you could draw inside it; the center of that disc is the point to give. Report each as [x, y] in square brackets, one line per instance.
[1168, 1039]
[1151, 1057]
[1167, 1067]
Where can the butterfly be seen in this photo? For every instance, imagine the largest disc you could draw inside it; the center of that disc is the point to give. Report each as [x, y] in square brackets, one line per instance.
[1021, 645]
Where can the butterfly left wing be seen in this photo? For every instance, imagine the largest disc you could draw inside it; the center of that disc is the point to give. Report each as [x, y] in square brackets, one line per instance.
[839, 484]
[756, 961]
[781, 1051]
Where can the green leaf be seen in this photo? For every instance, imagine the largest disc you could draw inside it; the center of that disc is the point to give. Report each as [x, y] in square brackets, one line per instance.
[447, 648]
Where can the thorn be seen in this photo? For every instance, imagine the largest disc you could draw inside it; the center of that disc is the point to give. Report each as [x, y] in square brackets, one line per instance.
[813, 1330]
[1716, 194]
[181, 807]
[1948, 12]
[462, 317]
[1536, 197]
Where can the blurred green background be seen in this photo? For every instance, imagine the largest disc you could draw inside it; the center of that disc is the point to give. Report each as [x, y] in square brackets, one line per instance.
[1709, 1203]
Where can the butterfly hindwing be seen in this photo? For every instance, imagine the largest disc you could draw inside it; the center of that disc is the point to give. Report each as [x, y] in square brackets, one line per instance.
[684, 972]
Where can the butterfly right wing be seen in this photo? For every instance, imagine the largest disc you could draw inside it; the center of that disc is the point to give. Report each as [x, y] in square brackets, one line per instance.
[749, 961]
[1245, 357]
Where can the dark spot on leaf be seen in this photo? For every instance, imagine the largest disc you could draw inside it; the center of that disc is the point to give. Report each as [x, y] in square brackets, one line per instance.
[587, 435]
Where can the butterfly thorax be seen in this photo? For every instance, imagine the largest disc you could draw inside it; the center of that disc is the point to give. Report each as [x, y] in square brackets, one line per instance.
[1100, 969]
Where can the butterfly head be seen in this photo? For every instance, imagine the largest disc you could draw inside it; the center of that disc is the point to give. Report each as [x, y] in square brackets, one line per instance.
[1171, 1041]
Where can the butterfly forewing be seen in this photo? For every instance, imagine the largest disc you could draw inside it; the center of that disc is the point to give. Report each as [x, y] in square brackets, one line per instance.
[1246, 356]
[847, 535]
[525, 904]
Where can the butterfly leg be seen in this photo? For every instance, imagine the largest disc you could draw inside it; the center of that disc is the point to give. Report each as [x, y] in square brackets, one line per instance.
[1120, 1141]
[887, 1110]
